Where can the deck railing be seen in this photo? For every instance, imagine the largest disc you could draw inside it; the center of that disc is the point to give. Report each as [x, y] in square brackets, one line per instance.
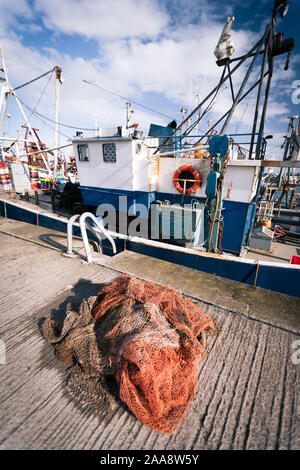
[96, 231]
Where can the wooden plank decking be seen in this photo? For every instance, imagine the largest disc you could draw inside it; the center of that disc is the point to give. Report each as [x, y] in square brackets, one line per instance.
[248, 386]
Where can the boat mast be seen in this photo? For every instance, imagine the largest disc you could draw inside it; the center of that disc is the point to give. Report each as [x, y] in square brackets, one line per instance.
[3, 100]
[270, 45]
[4, 89]
[58, 82]
[289, 147]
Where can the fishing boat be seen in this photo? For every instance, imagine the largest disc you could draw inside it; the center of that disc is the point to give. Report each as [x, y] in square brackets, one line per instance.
[198, 200]
[153, 207]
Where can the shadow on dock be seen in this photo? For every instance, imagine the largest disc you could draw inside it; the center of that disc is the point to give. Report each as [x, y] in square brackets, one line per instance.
[81, 290]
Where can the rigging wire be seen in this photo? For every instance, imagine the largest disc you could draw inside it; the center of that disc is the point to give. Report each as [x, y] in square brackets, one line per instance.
[213, 104]
[34, 79]
[38, 102]
[35, 112]
[61, 124]
[89, 83]
[41, 115]
[88, 128]
[119, 96]
[43, 92]
[246, 106]
[275, 147]
[36, 105]
[209, 106]
[37, 115]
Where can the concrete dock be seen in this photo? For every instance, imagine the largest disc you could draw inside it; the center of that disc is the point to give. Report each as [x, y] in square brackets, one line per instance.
[248, 390]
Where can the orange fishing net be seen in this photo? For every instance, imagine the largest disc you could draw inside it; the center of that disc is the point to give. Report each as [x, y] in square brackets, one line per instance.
[148, 338]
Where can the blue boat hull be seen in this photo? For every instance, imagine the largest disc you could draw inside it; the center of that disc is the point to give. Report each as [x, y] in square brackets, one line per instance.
[237, 215]
[283, 278]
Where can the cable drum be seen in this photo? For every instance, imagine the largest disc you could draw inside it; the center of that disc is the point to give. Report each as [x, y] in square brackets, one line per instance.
[186, 179]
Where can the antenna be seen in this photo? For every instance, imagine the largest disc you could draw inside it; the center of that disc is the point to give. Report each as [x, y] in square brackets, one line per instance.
[184, 112]
[129, 113]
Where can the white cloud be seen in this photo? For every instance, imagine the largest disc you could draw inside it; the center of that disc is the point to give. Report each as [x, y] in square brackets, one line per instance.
[165, 57]
[102, 19]
[11, 12]
[15, 8]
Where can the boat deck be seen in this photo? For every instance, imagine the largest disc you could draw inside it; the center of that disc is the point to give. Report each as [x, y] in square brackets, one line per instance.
[248, 386]
[279, 253]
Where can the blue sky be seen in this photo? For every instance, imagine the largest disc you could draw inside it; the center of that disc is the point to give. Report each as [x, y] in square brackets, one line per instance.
[156, 52]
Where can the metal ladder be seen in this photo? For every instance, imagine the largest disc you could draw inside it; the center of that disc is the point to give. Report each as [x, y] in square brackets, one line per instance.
[84, 226]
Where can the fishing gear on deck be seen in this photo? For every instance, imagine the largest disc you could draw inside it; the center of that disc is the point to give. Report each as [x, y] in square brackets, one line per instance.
[286, 236]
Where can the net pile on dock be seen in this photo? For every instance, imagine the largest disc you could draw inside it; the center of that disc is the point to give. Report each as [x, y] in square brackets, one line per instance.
[147, 338]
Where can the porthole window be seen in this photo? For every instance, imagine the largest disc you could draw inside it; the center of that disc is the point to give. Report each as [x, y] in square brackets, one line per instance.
[109, 153]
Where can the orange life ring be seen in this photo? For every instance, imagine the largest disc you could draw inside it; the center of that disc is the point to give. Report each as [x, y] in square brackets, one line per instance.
[196, 178]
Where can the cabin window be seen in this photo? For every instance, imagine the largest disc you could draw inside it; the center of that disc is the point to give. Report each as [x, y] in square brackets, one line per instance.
[109, 153]
[83, 153]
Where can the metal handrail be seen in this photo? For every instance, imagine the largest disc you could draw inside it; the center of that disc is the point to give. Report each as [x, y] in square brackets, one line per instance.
[84, 225]
[96, 234]
[70, 224]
